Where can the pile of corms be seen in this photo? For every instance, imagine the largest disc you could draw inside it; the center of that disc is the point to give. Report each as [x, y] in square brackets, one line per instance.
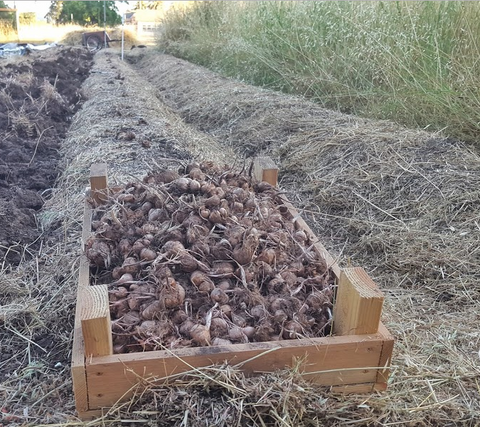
[201, 257]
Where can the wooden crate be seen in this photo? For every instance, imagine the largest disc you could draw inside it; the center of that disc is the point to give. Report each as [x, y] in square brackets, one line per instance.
[355, 359]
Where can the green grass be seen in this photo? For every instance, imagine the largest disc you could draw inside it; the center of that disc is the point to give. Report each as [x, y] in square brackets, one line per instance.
[417, 62]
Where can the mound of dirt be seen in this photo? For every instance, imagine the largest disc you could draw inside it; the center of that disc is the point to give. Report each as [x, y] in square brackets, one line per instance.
[38, 98]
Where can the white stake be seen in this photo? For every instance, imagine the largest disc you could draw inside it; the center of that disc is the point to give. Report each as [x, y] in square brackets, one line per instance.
[123, 30]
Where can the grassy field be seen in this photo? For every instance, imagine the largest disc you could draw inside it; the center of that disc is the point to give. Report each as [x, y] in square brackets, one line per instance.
[417, 63]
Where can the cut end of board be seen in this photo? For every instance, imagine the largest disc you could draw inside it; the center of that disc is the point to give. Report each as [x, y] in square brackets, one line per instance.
[264, 169]
[359, 303]
[99, 182]
[96, 323]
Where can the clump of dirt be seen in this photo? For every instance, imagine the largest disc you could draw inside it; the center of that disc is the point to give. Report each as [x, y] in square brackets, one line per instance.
[38, 98]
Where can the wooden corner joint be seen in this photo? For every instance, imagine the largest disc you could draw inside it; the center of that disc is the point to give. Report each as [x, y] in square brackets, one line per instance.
[95, 319]
[99, 182]
[359, 303]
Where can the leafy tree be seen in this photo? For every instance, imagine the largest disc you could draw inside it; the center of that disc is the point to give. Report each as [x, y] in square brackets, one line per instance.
[7, 18]
[54, 11]
[27, 18]
[152, 5]
[83, 12]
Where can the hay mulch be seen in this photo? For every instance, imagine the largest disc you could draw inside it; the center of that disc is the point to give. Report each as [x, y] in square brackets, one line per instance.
[400, 203]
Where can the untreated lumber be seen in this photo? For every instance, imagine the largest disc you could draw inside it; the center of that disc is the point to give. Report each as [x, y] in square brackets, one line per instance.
[358, 305]
[264, 169]
[79, 375]
[98, 182]
[326, 361]
[354, 360]
[96, 323]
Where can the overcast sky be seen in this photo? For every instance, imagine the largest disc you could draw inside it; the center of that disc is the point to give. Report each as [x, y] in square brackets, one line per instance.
[40, 7]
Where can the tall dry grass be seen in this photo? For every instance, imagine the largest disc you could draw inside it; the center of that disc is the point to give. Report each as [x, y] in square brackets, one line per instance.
[70, 35]
[38, 32]
[414, 62]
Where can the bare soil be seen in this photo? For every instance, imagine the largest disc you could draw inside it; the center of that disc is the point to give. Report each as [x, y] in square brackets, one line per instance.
[38, 98]
[401, 203]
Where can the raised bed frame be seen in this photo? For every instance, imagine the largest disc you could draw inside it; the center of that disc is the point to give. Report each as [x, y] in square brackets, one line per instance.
[355, 359]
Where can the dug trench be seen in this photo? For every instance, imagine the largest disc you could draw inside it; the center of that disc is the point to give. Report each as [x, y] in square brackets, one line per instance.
[398, 202]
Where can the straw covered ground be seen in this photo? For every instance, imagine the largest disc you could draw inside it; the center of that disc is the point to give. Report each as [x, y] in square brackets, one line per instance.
[403, 204]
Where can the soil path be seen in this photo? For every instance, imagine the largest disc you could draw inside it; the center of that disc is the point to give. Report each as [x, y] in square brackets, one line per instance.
[38, 98]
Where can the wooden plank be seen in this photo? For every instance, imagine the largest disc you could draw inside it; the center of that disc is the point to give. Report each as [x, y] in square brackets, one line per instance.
[87, 223]
[353, 388]
[385, 358]
[79, 376]
[90, 415]
[300, 224]
[326, 361]
[264, 169]
[95, 319]
[358, 305]
[99, 182]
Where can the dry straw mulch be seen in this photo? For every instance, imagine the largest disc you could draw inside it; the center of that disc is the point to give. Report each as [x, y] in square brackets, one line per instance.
[400, 203]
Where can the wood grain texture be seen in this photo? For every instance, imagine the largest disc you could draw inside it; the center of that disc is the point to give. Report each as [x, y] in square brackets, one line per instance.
[87, 224]
[99, 182]
[358, 305]
[79, 376]
[326, 361]
[300, 224]
[95, 319]
[265, 169]
[385, 358]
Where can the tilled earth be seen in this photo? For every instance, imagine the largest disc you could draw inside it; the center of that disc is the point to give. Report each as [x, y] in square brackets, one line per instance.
[38, 98]
[401, 203]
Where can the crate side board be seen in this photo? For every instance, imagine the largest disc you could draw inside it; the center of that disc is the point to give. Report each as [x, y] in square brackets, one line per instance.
[79, 375]
[326, 361]
[302, 225]
[385, 359]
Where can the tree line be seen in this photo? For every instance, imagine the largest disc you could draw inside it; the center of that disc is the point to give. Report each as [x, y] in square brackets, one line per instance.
[84, 13]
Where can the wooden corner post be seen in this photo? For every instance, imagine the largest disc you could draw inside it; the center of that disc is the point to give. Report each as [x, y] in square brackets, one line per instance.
[264, 169]
[358, 305]
[98, 182]
[96, 323]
